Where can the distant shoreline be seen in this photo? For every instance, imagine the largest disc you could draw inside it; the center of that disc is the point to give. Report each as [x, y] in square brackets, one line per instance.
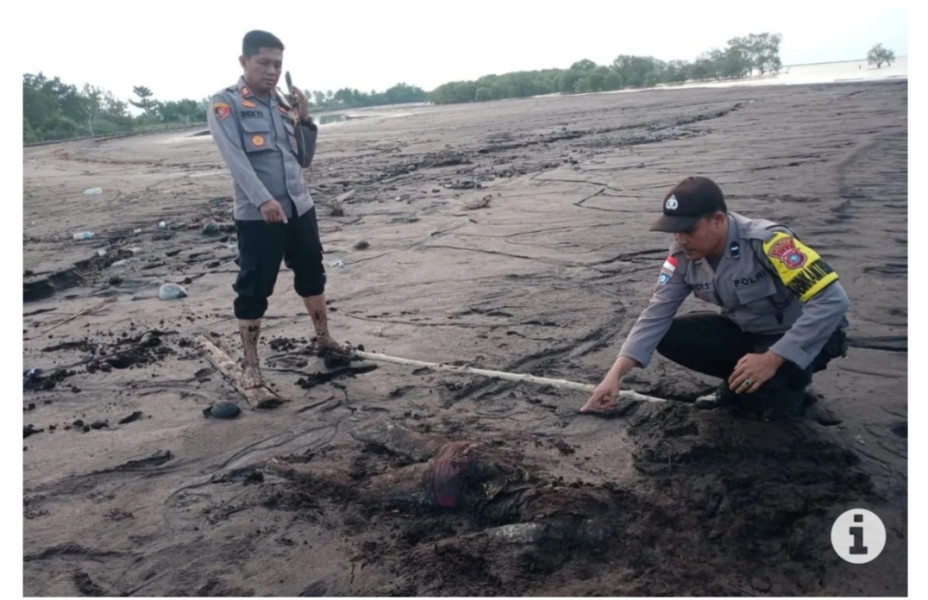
[836, 62]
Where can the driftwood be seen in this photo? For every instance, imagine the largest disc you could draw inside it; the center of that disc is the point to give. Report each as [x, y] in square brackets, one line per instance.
[346, 196]
[482, 203]
[259, 397]
[520, 377]
[86, 311]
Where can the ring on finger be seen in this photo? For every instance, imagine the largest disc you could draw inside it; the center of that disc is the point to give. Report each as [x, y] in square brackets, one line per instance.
[748, 382]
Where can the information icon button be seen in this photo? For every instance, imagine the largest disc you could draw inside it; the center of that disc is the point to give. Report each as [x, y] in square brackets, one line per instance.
[858, 536]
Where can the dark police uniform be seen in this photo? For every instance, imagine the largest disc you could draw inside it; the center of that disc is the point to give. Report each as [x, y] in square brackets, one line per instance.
[266, 148]
[775, 293]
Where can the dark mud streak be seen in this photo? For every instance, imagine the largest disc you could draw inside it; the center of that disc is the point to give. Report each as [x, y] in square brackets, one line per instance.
[86, 586]
[84, 483]
[69, 550]
[493, 252]
[887, 343]
[648, 256]
[417, 323]
[593, 195]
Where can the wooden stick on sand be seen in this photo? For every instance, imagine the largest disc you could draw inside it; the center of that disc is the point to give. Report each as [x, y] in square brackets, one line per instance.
[558, 383]
[86, 311]
[255, 397]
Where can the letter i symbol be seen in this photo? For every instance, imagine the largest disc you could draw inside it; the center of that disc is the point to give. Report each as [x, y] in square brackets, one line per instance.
[858, 533]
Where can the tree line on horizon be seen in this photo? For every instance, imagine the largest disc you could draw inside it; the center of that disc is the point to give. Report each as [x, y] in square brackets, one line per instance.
[54, 110]
[742, 57]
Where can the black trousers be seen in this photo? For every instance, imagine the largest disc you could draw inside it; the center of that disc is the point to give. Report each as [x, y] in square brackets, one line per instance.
[261, 248]
[712, 344]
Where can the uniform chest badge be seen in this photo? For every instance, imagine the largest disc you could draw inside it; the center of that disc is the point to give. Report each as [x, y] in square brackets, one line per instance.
[786, 251]
[221, 110]
[257, 140]
[667, 271]
[249, 104]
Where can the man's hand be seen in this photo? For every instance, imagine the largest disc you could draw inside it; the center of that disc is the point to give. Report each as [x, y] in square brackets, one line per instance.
[273, 212]
[302, 104]
[753, 371]
[605, 395]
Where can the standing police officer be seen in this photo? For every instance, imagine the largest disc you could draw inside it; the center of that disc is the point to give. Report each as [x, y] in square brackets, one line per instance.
[266, 142]
[783, 309]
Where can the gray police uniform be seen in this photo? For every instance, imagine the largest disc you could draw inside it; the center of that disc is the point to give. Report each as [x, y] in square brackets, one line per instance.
[266, 148]
[775, 293]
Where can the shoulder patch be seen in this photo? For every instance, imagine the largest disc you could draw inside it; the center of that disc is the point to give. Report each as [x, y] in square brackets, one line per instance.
[221, 110]
[799, 267]
[667, 270]
[784, 248]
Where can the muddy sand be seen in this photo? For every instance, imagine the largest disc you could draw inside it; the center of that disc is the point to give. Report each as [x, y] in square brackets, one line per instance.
[510, 235]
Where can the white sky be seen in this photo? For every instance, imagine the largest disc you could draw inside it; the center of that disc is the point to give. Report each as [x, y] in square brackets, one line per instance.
[189, 49]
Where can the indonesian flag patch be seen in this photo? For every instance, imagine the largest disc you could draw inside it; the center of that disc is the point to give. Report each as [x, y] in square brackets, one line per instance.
[670, 265]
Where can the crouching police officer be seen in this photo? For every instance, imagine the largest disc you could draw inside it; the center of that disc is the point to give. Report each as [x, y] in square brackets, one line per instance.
[267, 141]
[783, 309]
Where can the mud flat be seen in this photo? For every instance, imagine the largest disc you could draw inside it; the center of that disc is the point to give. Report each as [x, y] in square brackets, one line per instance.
[508, 235]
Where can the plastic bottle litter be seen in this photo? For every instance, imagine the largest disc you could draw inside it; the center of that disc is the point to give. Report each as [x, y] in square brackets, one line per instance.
[92, 191]
[162, 225]
[336, 263]
[119, 263]
[171, 291]
[83, 235]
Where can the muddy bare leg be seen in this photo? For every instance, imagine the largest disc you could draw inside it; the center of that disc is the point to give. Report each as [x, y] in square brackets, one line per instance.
[250, 330]
[317, 311]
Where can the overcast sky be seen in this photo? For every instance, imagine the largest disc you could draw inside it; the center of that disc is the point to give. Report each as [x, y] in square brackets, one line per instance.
[190, 49]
